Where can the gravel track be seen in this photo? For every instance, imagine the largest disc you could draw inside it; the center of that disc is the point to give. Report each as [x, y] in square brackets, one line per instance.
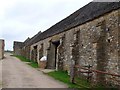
[17, 74]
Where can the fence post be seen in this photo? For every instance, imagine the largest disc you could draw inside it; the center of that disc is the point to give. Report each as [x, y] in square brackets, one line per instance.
[72, 74]
[89, 71]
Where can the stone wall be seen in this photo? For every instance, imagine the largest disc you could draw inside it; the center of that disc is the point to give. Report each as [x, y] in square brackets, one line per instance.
[1, 49]
[119, 40]
[18, 48]
[98, 44]
[25, 51]
[95, 43]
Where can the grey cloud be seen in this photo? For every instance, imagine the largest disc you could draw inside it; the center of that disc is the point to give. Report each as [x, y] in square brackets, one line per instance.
[27, 17]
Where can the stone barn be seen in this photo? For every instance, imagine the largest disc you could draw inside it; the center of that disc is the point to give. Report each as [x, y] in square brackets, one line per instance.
[88, 37]
[17, 47]
[2, 48]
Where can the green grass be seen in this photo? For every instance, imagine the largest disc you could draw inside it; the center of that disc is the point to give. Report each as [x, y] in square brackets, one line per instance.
[62, 76]
[65, 78]
[31, 62]
[22, 58]
[79, 82]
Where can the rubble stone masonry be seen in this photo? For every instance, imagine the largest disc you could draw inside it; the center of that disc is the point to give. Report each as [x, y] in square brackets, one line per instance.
[1, 49]
[94, 43]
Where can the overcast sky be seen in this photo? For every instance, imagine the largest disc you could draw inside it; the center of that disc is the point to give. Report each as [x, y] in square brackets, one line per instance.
[20, 19]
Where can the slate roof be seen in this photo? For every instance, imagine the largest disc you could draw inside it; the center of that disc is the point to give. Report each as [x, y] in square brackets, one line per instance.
[18, 44]
[31, 40]
[81, 16]
[26, 41]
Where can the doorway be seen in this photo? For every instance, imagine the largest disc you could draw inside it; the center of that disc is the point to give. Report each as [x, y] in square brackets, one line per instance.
[35, 53]
[52, 55]
[56, 44]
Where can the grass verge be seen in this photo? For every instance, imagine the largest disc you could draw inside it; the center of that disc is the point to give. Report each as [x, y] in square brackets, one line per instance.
[31, 62]
[22, 58]
[64, 77]
[80, 84]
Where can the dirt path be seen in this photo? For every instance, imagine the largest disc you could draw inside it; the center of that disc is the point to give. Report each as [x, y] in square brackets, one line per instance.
[16, 74]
